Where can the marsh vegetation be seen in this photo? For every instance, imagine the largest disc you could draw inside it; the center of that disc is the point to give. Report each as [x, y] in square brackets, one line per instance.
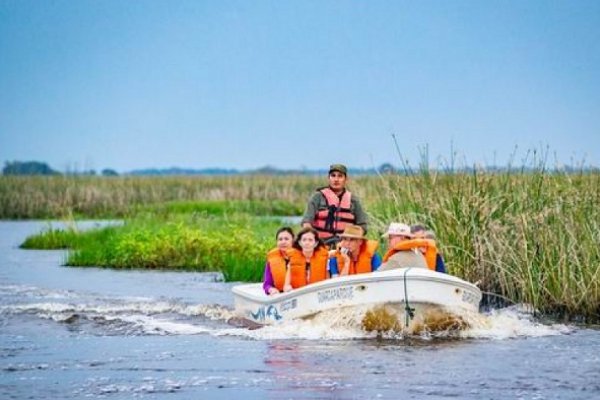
[531, 236]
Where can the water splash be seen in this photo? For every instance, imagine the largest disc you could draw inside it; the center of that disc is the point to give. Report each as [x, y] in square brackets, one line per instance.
[144, 316]
[109, 315]
[389, 322]
[511, 322]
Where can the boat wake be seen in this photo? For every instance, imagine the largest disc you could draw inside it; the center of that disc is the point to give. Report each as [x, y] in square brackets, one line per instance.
[112, 315]
[148, 316]
[387, 323]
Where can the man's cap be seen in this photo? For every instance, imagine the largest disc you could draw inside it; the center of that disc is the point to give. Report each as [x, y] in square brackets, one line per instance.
[339, 168]
[398, 229]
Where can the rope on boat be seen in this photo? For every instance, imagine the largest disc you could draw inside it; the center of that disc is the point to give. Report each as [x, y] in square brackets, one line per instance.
[409, 313]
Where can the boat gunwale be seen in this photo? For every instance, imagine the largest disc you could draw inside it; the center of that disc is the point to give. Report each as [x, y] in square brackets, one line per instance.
[354, 279]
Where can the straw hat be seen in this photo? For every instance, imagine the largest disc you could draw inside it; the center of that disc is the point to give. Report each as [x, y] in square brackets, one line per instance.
[353, 232]
[398, 229]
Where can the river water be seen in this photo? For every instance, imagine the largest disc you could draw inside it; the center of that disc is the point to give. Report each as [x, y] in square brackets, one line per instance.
[71, 333]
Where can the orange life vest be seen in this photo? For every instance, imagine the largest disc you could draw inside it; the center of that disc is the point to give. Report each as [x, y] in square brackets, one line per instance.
[297, 265]
[332, 219]
[318, 265]
[363, 263]
[277, 260]
[412, 244]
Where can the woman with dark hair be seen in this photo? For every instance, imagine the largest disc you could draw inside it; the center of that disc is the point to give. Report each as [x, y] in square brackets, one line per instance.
[277, 275]
[308, 263]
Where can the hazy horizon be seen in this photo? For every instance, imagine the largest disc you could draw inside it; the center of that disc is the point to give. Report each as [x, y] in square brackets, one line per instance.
[234, 84]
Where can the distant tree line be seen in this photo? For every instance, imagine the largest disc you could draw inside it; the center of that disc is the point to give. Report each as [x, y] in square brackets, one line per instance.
[28, 168]
[42, 168]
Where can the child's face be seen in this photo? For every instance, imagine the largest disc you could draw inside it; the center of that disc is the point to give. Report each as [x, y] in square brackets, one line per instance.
[308, 241]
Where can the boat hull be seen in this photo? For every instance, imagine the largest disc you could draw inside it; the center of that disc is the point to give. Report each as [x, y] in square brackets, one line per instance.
[412, 287]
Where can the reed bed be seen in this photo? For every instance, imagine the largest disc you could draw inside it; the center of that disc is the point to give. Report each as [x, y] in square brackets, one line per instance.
[531, 236]
[109, 197]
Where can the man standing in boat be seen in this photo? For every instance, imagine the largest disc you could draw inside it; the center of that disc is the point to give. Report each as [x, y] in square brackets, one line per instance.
[332, 208]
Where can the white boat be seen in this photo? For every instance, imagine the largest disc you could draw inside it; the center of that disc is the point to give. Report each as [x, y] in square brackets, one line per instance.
[405, 289]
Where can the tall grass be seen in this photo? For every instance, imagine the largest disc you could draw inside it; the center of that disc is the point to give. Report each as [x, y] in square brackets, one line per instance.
[530, 235]
[220, 208]
[110, 197]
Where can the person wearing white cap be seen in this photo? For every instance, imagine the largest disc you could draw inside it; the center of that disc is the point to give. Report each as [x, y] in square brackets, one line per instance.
[397, 256]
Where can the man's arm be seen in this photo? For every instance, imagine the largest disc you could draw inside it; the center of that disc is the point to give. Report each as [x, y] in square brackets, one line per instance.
[311, 210]
[360, 216]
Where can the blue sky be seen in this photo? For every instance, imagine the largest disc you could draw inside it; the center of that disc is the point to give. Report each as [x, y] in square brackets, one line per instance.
[243, 84]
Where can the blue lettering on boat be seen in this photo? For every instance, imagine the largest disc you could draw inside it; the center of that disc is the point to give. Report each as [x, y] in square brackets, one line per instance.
[259, 315]
[289, 305]
[341, 293]
[270, 312]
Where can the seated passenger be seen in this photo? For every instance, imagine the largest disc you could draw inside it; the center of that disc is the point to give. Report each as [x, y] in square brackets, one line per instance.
[403, 249]
[308, 259]
[421, 231]
[355, 254]
[277, 277]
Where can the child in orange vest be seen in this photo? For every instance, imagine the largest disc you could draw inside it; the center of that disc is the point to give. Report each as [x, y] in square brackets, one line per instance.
[312, 258]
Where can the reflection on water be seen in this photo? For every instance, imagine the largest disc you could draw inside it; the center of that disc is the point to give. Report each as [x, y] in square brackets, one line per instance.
[86, 332]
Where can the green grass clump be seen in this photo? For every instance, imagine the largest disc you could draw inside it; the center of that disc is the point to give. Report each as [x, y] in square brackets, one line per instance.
[52, 239]
[234, 245]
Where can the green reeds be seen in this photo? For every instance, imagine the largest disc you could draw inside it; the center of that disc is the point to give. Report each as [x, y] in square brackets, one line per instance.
[115, 197]
[219, 207]
[52, 239]
[532, 237]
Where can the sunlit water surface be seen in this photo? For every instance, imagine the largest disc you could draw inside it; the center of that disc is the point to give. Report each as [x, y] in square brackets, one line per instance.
[98, 333]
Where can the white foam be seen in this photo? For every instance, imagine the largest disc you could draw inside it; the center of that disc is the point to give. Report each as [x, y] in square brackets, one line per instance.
[34, 291]
[140, 315]
[509, 323]
[213, 312]
[344, 324]
[158, 326]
